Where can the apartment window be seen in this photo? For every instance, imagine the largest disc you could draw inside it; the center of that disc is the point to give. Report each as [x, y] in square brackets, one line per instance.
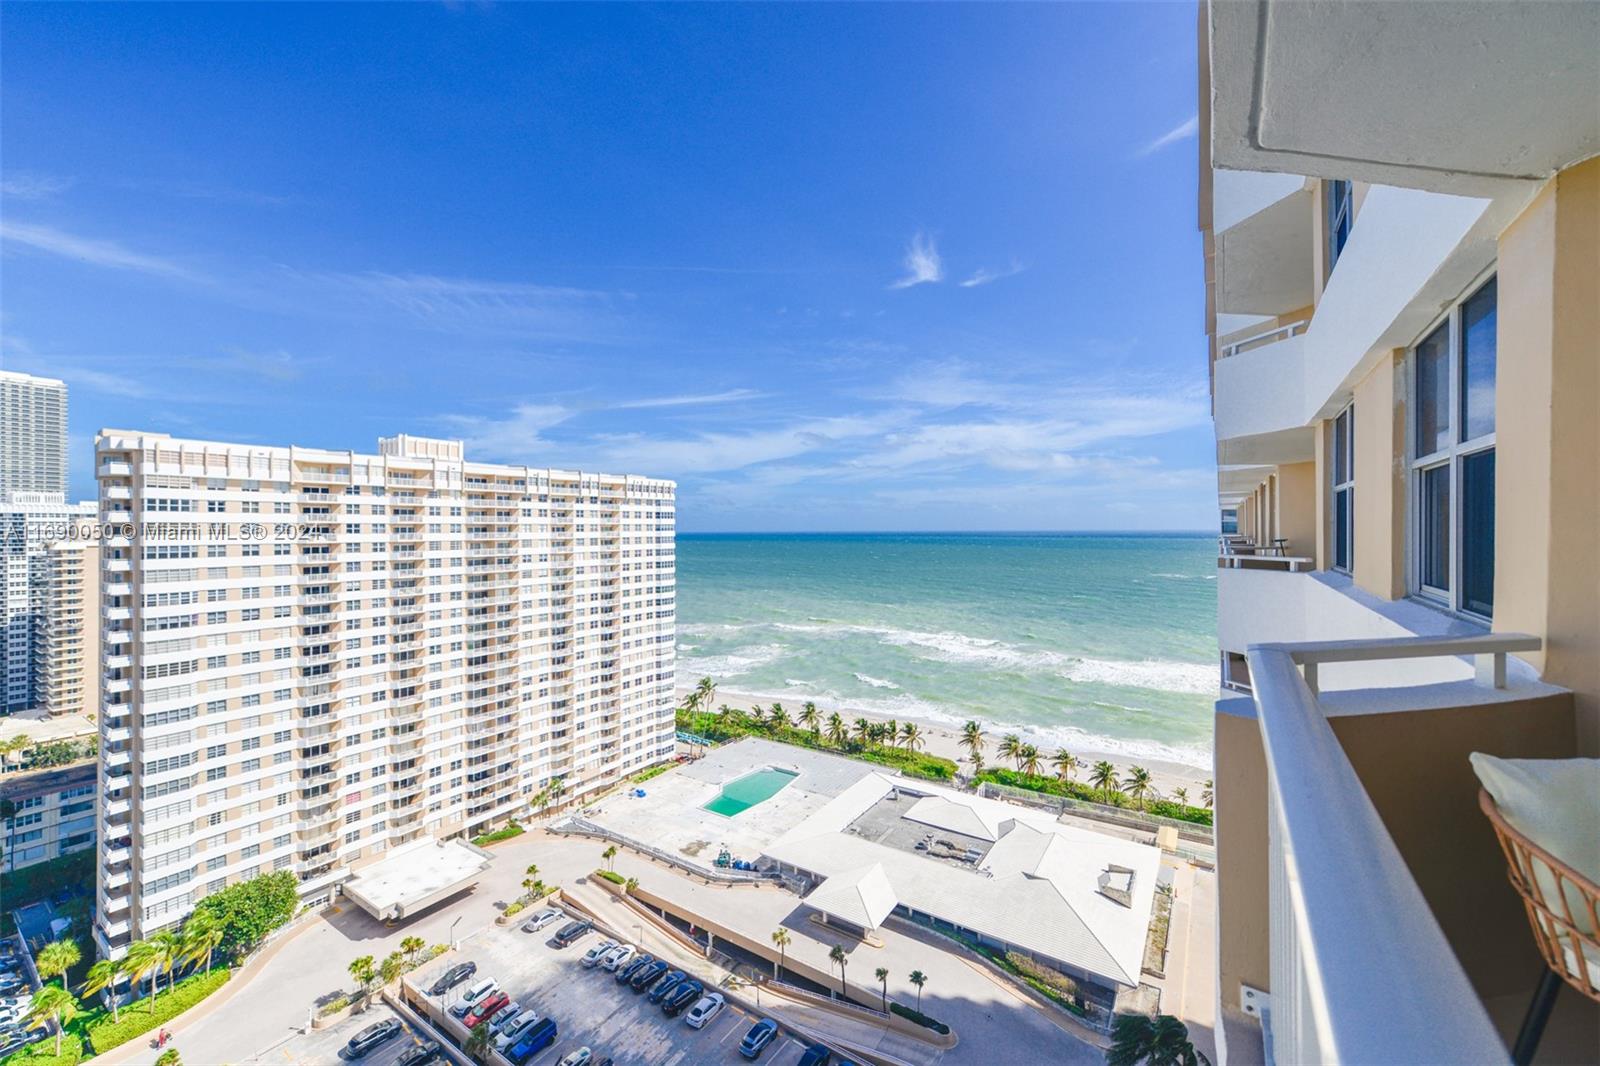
[1344, 489]
[1453, 439]
[1338, 202]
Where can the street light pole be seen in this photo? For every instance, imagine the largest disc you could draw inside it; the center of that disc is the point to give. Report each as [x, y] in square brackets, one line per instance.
[453, 944]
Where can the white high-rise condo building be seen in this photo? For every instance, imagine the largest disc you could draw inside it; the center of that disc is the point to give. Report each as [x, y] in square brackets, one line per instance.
[1400, 206]
[313, 657]
[33, 434]
[30, 522]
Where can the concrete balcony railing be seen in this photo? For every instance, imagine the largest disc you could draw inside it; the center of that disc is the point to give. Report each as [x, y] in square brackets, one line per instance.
[1364, 912]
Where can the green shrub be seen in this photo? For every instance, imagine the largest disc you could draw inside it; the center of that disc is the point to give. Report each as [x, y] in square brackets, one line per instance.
[1054, 786]
[654, 771]
[334, 1006]
[44, 1052]
[920, 1018]
[512, 830]
[251, 909]
[138, 1018]
[911, 763]
[515, 907]
[612, 876]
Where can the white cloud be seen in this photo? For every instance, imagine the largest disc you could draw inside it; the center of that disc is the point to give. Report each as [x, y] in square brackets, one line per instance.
[922, 263]
[90, 250]
[1181, 132]
[24, 185]
[983, 275]
[469, 305]
[701, 400]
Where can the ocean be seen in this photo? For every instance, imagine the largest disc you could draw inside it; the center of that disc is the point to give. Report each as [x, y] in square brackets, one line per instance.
[1102, 642]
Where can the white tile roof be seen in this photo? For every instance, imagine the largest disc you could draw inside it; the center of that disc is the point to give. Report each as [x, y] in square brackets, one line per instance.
[1038, 887]
[862, 896]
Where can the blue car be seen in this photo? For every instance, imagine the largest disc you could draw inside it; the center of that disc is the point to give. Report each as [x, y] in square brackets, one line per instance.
[666, 985]
[816, 1055]
[534, 1041]
[757, 1039]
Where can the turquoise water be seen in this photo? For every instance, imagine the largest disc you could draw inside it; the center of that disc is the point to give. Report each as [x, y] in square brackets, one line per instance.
[1107, 642]
[741, 794]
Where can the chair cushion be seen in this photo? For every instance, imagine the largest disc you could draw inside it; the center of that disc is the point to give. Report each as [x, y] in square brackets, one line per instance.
[1555, 803]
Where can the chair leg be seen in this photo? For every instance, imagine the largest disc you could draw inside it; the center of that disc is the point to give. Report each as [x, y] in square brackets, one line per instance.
[1544, 1000]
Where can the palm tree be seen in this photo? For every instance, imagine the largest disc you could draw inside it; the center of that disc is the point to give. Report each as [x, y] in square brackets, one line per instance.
[972, 740]
[557, 789]
[912, 735]
[630, 885]
[891, 730]
[104, 975]
[778, 719]
[1066, 764]
[202, 934]
[141, 960]
[478, 1042]
[1138, 784]
[1104, 777]
[168, 950]
[610, 856]
[363, 971]
[705, 692]
[780, 940]
[1181, 795]
[56, 958]
[837, 733]
[1207, 795]
[810, 718]
[863, 730]
[1010, 744]
[169, 1057]
[757, 715]
[53, 1004]
[393, 965]
[882, 974]
[413, 945]
[919, 979]
[1028, 760]
[1159, 1041]
[840, 959]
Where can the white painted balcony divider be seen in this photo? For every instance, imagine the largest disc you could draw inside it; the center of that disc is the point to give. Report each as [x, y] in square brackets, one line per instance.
[1361, 971]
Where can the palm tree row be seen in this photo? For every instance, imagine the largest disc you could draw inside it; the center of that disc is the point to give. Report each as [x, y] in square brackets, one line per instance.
[833, 728]
[1139, 786]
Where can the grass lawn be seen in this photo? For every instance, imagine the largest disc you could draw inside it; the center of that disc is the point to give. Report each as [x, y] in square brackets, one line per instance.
[95, 1032]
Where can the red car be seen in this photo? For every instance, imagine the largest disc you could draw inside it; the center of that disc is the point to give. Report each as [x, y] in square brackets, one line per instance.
[485, 1010]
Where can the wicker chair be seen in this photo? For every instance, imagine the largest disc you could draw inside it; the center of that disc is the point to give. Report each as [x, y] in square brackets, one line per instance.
[1560, 903]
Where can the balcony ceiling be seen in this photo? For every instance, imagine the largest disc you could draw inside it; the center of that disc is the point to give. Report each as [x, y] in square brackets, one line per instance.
[1296, 445]
[1450, 96]
[1264, 263]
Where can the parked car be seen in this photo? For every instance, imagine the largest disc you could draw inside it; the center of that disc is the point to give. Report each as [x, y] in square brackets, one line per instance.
[705, 1008]
[544, 919]
[505, 1016]
[535, 1040]
[816, 1055]
[474, 995]
[485, 1009]
[571, 933]
[598, 952]
[580, 1057]
[515, 1029]
[680, 997]
[757, 1039]
[452, 977]
[421, 1055]
[645, 977]
[637, 963]
[372, 1036]
[659, 990]
[617, 956]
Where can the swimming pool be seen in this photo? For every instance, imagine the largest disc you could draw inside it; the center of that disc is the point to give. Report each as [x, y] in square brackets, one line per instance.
[740, 794]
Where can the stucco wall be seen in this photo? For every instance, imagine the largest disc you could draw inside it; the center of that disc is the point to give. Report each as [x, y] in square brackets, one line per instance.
[1380, 451]
[1241, 829]
[1297, 506]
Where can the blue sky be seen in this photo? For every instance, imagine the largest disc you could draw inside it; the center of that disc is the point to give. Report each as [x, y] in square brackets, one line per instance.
[831, 267]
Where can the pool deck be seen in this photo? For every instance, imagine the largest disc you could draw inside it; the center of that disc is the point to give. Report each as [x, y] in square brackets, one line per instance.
[673, 817]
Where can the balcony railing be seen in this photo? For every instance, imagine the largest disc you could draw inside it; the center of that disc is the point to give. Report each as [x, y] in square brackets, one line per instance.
[1361, 970]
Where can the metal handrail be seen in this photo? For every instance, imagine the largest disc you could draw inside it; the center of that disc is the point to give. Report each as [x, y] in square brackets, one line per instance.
[1361, 970]
[1264, 338]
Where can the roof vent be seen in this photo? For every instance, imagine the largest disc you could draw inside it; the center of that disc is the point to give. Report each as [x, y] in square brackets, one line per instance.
[1116, 884]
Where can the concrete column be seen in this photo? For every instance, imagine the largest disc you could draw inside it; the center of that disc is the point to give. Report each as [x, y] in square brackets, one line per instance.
[1380, 470]
[1547, 463]
[1243, 904]
[1297, 507]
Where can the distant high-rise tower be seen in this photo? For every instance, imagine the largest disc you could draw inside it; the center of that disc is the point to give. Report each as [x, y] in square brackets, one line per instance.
[33, 434]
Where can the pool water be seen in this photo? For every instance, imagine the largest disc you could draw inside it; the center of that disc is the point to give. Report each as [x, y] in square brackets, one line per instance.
[745, 792]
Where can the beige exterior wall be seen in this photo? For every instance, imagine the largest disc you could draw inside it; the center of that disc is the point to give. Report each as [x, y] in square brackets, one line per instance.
[1297, 506]
[1243, 937]
[1547, 474]
[1380, 451]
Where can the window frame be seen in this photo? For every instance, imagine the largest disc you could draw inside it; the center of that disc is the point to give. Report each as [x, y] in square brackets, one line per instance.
[1451, 456]
[1338, 206]
[1347, 486]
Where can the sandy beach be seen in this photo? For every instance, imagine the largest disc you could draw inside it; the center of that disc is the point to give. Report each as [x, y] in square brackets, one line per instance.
[942, 740]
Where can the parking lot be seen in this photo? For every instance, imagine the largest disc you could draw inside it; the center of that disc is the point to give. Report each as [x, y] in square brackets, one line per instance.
[323, 1046]
[16, 992]
[592, 1010]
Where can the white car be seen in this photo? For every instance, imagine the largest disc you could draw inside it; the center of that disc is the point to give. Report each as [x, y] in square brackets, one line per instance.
[578, 1058]
[704, 1009]
[598, 952]
[617, 956]
[474, 996]
[505, 1016]
[514, 1029]
[545, 918]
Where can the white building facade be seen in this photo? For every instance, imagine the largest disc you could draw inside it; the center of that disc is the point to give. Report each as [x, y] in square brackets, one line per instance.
[33, 434]
[29, 523]
[314, 656]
